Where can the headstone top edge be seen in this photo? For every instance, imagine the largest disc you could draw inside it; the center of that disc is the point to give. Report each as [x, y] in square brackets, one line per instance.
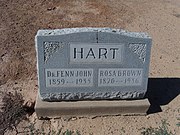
[64, 31]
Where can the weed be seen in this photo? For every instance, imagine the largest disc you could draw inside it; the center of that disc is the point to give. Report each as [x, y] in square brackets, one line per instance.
[122, 131]
[68, 132]
[31, 130]
[162, 130]
[77, 132]
[178, 118]
[12, 111]
[178, 124]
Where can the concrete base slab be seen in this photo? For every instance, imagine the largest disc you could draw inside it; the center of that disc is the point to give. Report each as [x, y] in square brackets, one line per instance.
[90, 108]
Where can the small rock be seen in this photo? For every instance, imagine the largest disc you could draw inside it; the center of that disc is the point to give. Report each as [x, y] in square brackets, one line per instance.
[51, 8]
[73, 118]
[29, 106]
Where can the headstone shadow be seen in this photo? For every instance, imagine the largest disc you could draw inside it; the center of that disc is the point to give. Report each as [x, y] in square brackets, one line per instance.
[161, 91]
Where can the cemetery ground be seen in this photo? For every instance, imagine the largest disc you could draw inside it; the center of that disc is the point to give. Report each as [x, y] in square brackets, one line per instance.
[19, 22]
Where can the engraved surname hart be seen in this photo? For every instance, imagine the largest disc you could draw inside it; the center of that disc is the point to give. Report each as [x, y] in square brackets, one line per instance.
[89, 53]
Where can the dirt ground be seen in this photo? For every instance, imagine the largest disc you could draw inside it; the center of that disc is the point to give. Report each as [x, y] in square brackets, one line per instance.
[21, 19]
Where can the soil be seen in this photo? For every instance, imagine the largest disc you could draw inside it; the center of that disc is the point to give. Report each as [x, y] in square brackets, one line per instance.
[21, 19]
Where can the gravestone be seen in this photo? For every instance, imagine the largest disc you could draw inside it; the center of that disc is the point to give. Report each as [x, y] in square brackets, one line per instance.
[78, 64]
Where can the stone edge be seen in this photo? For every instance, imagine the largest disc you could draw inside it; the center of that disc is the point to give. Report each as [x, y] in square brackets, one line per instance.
[91, 29]
[91, 96]
[45, 109]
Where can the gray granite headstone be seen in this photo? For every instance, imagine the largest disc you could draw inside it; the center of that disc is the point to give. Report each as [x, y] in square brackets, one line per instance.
[92, 63]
